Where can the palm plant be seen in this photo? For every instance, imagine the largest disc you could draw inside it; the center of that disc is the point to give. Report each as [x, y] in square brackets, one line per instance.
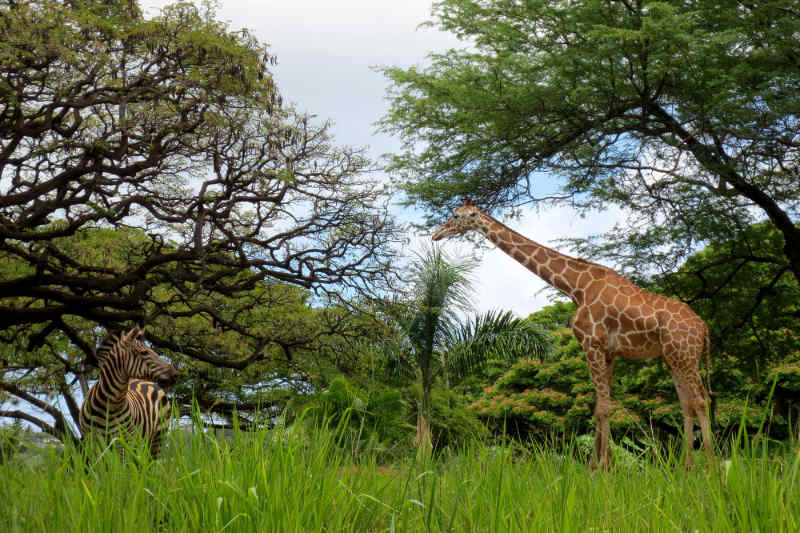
[441, 343]
[441, 288]
[495, 335]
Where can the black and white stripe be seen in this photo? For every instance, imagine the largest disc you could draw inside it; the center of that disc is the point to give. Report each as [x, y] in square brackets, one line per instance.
[127, 399]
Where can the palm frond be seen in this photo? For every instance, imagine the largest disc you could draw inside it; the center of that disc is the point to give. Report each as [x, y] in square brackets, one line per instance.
[441, 289]
[493, 335]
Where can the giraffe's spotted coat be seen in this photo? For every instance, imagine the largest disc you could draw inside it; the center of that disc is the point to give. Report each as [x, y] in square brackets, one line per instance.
[614, 318]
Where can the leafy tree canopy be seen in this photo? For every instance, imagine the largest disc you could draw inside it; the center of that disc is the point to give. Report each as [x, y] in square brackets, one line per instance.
[686, 114]
[150, 173]
[174, 126]
[242, 356]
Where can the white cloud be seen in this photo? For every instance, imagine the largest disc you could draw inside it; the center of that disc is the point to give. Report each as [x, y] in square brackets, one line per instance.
[325, 52]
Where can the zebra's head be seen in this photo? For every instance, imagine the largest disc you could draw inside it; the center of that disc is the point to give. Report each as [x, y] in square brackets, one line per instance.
[127, 351]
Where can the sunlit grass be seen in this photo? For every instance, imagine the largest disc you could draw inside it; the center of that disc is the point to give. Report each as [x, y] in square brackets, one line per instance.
[287, 482]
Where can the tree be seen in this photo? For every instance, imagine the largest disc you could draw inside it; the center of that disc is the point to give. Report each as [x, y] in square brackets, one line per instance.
[171, 133]
[686, 114]
[298, 341]
[172, 125]
[440, 289]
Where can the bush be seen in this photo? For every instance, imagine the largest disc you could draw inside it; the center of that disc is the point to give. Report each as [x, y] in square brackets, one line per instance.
[377, 421]
[535, 399]
[453, 424]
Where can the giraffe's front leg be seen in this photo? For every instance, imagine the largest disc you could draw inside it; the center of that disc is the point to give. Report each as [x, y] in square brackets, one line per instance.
[601, 367]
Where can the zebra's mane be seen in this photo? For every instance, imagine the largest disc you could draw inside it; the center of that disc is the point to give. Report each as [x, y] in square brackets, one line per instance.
[113, 337]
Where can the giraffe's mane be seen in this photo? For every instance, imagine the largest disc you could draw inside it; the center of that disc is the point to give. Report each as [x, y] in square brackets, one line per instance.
[592, 263]
[578, 259]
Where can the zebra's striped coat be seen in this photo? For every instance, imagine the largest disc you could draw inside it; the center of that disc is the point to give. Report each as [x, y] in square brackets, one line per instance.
[127, 399]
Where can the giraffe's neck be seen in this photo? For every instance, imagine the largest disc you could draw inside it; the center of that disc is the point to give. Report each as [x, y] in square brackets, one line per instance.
[559, 270]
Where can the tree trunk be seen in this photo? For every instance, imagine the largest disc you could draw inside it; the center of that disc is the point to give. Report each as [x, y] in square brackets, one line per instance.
[779, 217]
[424, 441]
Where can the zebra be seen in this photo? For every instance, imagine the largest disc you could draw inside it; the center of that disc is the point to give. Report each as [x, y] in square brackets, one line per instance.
[124, 402]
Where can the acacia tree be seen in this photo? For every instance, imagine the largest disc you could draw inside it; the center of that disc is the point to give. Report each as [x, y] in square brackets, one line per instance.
[298, 341]
[686, 114]
[173, 127]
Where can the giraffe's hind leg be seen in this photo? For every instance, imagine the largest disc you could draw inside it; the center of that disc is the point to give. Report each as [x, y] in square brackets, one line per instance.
[688, 432]
[688, 418]
[691, 394]
[700, 408]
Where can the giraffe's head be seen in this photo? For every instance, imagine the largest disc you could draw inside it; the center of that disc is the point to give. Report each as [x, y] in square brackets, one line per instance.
[127, 352]
[464, 219]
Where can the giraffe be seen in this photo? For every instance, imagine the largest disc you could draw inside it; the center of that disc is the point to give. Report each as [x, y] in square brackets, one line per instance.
[614, 318]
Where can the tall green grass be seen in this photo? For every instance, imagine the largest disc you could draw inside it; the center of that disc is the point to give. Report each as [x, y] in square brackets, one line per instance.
[287, 481]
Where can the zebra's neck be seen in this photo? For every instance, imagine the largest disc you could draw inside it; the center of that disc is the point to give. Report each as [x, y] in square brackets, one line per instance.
[112, 385]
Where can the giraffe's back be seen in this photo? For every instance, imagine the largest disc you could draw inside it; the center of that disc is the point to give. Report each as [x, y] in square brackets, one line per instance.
[634, 323]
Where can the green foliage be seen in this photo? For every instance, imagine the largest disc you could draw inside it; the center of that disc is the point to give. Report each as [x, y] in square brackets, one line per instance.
[377, 421]
[683, 114]
[437, 346]
[492, 336]
[554, 317]
[242, 356]
[453, 425]
[787, 374]
[383, 421]
[153, 175]
[441, 288]
[536, 398]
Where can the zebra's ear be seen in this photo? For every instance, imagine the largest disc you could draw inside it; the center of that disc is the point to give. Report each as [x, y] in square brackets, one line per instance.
[135, 333]
[112, 336]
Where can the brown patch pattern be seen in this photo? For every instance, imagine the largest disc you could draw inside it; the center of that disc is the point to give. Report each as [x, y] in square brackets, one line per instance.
[614, 318]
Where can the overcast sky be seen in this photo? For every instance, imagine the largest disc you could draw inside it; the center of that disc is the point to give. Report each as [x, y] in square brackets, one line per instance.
[325, 52]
